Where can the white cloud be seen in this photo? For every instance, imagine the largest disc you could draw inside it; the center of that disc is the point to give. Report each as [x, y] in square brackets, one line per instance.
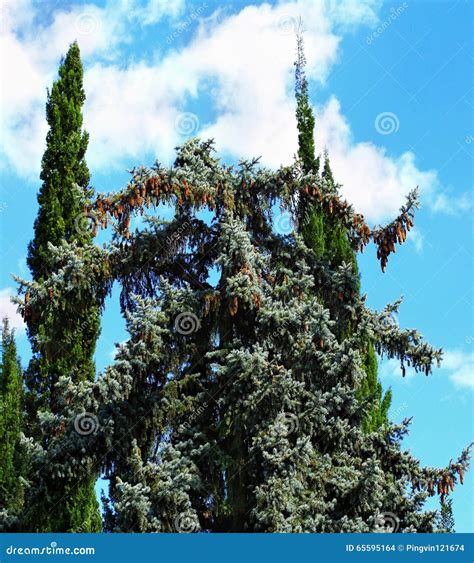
[23, 267]
[374, 182]
[128, 113]
[249, 57]
[154, 10]
[460, 366]
[30, 54]
[254, 99]
[242, 62]
[9, 309]
[444, 204]
[254, 91]
[348, 12]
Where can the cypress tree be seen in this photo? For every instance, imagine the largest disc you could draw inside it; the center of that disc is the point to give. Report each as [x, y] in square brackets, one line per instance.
[63, 167]
[62, 345]
[311, 221]
[327, 237]
[11, 417]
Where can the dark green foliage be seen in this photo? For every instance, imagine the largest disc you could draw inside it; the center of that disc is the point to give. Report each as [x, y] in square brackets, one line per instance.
[311, 219]
[304, 114]
[322, 233]
[68, 508]
[63, 166]
[327, 237]
[370, 392]
[62, 345]
[11, 394]
[337, 247]
[314, 232]
[62, 197]
[327, 172]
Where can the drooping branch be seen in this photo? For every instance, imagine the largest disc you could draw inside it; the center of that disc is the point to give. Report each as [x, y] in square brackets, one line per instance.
[430, 480]
[407, 345]
[218, 189]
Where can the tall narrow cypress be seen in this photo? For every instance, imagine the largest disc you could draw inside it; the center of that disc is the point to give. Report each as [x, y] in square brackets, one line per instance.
[324, 234]
[11, 489]
[311, 221]
[62, 345]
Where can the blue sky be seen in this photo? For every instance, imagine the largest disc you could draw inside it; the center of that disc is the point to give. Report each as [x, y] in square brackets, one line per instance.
[391, 84]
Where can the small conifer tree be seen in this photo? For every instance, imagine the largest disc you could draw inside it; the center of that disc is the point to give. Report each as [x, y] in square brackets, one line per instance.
[11, 420]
